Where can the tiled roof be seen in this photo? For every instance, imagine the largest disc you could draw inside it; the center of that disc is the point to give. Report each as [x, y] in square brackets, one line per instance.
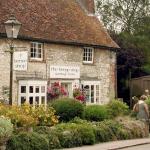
[55, 20]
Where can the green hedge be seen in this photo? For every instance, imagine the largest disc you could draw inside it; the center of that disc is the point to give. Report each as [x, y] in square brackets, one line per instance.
[67, 109]
[96, 113]
[77, 133]
[28, 141]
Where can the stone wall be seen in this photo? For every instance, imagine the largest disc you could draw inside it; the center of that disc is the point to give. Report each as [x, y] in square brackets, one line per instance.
[103, 68]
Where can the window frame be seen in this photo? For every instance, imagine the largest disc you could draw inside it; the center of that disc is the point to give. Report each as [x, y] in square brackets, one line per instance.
[36, 52]
[93, 92]
[86, 55]
[29, 94]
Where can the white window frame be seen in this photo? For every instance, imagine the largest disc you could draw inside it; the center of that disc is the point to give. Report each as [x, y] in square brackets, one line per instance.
[36, 51]
[88, 53]
[97, 91]
[35, 83]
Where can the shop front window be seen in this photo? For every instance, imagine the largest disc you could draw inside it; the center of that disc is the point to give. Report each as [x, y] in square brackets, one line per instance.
[36, 93]
[92, 92]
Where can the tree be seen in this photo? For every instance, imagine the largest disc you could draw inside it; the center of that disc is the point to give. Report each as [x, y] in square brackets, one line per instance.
[128, 22]
[122, 14]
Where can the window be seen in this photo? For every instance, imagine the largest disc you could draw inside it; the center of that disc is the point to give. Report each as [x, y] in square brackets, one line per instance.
[36, 51]
[31, 89]
[32, 92]
[23, 99]
[42, 89]
[23, 89]
[92, 91]
[88, 55]
[37, 90]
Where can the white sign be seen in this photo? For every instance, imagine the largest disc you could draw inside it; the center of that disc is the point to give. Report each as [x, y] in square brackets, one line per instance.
[20, 61]
[64, 72]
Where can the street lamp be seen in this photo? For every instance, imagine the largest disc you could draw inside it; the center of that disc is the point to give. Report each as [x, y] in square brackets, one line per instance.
[12, 27]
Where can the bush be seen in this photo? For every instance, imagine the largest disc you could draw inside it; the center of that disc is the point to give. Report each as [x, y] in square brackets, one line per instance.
[95, 113]
[53, 138]
[6, 129]
[117, 108]
[135, 128]
[27, 141]
[51, 134]
[27, 116]
[76, 134]
[103, 132]
[148, 103]
[67, 109]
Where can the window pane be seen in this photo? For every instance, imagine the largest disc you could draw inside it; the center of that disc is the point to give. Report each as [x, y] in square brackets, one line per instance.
[42, 89]
[37, 100]
[39, 45]
[37, 89]
[23, 100]
[31, 100]
[23, 89]
[87, 93]
[43, 100]
[31, 89]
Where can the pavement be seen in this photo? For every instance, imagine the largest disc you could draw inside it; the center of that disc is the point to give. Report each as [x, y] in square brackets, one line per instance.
[115, 145]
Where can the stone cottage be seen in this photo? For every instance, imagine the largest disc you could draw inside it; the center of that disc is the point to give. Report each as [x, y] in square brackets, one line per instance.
[65, 42]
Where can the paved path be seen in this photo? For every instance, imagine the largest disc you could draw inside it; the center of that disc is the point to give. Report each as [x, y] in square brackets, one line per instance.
[114, 145]
[140, 147]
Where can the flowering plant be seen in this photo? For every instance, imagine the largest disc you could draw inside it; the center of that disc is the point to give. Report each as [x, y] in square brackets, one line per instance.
[55, 91]
[78, 94]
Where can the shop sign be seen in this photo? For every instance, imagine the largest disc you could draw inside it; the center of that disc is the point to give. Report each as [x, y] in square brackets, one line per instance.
[64, 72]
[20, 60]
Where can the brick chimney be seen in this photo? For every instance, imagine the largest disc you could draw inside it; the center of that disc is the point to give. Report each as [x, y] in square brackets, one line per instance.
[88, 5]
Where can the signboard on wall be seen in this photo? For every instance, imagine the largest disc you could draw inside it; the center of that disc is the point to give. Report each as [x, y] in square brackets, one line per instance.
[64, 72]
[20, 61]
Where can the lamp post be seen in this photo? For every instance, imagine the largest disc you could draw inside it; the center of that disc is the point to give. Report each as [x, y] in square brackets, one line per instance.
[12, 27]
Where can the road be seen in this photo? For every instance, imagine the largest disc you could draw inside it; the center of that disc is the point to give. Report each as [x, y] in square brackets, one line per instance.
[140, 147]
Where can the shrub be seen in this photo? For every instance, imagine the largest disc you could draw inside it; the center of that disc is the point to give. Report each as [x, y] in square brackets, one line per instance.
[135, 128]
[6, 129]
[27, 116]
[95, 113]
[45, 116]
[53, 138]
[81, 134]
[87, 135]
[51, 134]
[103, 133]
[28, 141]
[117, 108]
[67, 109]
[148, 103]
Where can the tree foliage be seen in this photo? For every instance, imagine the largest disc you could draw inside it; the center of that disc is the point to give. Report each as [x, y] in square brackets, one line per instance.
[123, 14]
[128, 22]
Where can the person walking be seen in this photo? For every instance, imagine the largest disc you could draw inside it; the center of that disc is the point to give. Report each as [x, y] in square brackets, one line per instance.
[142, 110]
